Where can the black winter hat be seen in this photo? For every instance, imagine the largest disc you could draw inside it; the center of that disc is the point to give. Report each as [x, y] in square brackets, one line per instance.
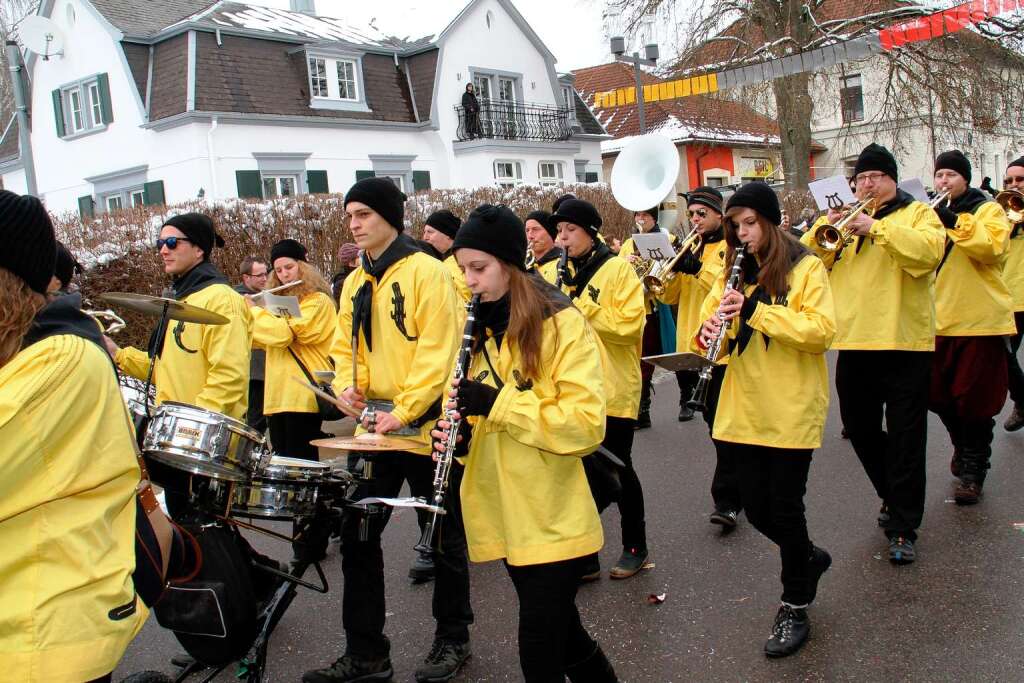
[705, 195]
[66, 266]
[383, 196]
[495, 230]
[1019, 161]
[544, 218]
[30, 248]
[198, 227]
[760, 197]
[954, 160]
[578, 212]
[444, 221]
[874, 157]
[653, 212]
[558, 202]
[288, 248]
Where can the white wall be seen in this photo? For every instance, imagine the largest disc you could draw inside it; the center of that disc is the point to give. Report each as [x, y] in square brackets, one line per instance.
[15, 181]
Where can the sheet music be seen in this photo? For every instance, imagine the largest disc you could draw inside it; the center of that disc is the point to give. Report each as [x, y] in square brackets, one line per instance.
[282, 306]
[915, 188]
[654, 245]
[832, 193]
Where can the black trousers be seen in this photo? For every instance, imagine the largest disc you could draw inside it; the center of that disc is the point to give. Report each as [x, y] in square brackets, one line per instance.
[618, 438]
[725, 488]
[290, 434]
[254, 416]
[551, 636]
[896, 383]
[362, 562]
[1015, 374]
[772, 486]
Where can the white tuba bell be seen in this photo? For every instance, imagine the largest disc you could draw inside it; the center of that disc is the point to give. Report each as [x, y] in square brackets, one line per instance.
[644, 176]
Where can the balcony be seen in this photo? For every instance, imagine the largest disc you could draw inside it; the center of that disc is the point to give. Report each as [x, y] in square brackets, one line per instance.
[516, 121]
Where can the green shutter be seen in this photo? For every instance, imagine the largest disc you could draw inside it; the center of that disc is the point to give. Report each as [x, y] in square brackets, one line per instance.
[107, 112]
[316, 182]
[86, 207]
[360, 175]
[590, 177]
[58, 112]
[420, 180]
[153, 193]
[250, 184]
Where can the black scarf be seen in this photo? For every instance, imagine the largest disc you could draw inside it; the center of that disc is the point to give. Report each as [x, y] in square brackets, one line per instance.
[892, 206]
[553, 255]
[362, 303]
[969, 201]
[63, 315]
[797, 252]
[587, 266]
[713, 237]
[492, 317]
[199, 278]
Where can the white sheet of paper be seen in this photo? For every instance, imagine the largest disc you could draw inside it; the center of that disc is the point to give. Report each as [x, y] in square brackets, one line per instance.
[654, 245]
[282, 306]
[915, 188]
[832, 192]
[401, 503]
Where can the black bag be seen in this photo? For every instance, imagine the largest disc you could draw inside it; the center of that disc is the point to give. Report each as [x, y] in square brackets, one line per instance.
[327, 410]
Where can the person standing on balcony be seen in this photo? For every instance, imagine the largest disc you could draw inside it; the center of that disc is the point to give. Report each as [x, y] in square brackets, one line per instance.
[471, 109]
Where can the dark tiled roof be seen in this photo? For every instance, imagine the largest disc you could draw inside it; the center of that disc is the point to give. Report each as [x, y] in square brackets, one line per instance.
[170, 78]
[9, 149]
[138, 61]
[148, 17]
[422, 68]
[588, 123]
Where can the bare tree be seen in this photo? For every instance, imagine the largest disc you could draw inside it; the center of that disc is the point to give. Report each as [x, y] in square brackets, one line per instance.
[12, 12]
[970, 79]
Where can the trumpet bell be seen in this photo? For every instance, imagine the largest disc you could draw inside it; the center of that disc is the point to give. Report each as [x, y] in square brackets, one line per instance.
[1012, 202]
[645, 172]
[828, 238]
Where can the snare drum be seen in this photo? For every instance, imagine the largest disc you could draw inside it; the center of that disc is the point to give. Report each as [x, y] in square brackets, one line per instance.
[203, 442]
[134, 393]
[285, 489]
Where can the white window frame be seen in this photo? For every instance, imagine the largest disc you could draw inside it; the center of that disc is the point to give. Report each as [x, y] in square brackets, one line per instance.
[716, 180]
[140, 193]
[516, 167]
[125, 198]
[277, 178]
[90, 109]
[320, 78]
[397, 179]
[351, 64]
[846, 83]
[340, 67]
[92, 88]
[113, 197]
[550, 180]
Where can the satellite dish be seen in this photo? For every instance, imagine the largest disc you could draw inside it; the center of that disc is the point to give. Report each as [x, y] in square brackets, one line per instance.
[42, 36]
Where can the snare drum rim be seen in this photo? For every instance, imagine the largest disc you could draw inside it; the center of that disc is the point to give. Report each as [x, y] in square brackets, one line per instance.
[212, 418]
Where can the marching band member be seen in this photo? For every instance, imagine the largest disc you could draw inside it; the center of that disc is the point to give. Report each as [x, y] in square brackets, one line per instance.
[254, 281]
[439, 231]
[64, 271]
[68, 474]
[774, 396]
[536, 405]
[406, 330]
[884, 287]
[659, 332]
[294, 348]
[540, 239]
[202, 365]
[609, 294]
[973, 312]
[1013, 275]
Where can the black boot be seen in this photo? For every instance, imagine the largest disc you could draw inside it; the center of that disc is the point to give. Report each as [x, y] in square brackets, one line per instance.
[643, 418]
[789, 632]
[975, 459]
[594, 669]
[820, 562]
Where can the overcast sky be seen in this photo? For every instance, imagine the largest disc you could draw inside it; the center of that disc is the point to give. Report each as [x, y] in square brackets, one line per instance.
[570, 28]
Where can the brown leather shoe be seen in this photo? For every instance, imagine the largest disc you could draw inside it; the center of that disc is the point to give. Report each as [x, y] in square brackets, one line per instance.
[967, 493]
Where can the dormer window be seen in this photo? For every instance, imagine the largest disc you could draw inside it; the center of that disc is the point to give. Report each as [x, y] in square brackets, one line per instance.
[336, 82]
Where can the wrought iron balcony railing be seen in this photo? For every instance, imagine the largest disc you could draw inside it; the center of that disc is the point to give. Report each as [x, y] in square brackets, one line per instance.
[515, 121]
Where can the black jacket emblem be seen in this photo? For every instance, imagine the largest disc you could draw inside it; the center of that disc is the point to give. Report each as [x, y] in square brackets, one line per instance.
[482, 376]
[522, 384]
[178, 330]
[594, 292]
[398, 311]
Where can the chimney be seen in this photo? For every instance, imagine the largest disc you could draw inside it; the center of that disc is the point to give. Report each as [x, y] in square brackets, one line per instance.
[303, 6]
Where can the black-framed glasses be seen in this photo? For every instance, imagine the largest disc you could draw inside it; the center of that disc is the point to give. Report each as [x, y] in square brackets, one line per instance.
[171, 242]
[703, 213]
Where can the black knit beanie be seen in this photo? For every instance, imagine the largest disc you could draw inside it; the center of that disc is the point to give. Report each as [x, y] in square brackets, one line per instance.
[558, 202]
[954, 160]
[874, 157]
[578, 212]
[30, 248]
[705, 195]
[445, 222]
[1019, 161]
[288, 248]
[760, 197]
[652, 212]
[544, 218]
[198, 228]
[495, 230]
[381, 195]
[66, 266]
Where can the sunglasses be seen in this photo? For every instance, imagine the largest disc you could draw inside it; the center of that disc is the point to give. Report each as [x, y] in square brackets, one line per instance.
[1009, 179]
[698, 212]
[171, 242]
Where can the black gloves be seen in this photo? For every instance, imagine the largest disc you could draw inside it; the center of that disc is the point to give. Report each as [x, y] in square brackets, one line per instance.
[690, 264]
[475, 398]
[947, 217]
[461, 445]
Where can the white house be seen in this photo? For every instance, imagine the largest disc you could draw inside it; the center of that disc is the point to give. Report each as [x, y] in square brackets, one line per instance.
[155, 102]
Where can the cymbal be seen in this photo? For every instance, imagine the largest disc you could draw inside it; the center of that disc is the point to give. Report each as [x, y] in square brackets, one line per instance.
[368, 442]
[154, 306]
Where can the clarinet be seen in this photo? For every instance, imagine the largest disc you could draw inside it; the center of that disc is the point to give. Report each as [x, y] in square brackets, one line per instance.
[444, 460]
[563, 263]
[700, 393]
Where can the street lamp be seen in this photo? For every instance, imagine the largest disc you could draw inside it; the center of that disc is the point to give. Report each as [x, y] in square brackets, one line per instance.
[650, 58]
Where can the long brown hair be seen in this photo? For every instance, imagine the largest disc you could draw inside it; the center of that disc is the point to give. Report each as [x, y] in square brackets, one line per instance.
[18, 306]
[312, 281]
[776, 258]
[529, 307]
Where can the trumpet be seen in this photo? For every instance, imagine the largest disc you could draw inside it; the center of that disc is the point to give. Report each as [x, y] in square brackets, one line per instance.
[939, 198]
[114, 322]
[832, 238]
[1012, 202]
[657, 276]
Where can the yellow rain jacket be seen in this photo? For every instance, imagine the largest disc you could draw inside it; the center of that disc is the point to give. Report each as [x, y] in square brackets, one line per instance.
[775, 392]
[68, 474]
[1013, 271]
[971, 298]
[458, 278]
[202, 365]
[414, 326]
[548, 269]
[310, 337]
[613, 302]
[885, 291]
[525, 496]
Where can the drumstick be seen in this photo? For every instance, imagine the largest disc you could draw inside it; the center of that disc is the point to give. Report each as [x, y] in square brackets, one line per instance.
[318, 391]
[277, 289]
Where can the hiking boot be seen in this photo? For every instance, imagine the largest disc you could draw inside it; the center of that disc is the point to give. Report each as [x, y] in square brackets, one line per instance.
[819, 564]
[883, 515]
[443, 662]
[901, 550]
[967, 493]
[630, 562]
[1015, 421]
[789, 632]
[422, 569]
[349, 669]
[724, 518]
[685, 413]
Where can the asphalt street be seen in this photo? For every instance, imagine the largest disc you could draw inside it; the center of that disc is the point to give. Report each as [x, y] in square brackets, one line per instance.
[957, 614]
